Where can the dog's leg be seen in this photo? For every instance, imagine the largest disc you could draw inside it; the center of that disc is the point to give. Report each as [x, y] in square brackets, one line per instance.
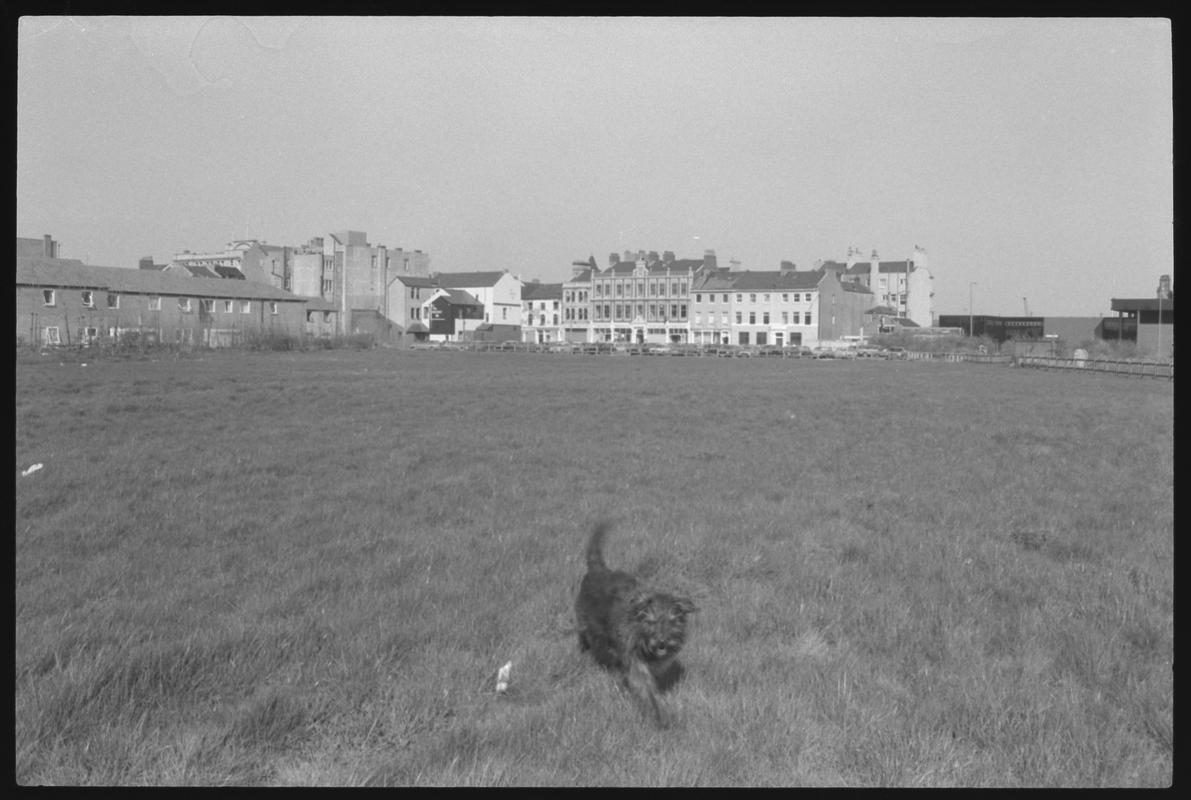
[640, 683]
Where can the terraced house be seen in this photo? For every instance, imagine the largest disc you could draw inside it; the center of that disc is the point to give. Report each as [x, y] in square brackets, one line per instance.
[783, 307]
[644, 300]
[67, 302]
[541, 313]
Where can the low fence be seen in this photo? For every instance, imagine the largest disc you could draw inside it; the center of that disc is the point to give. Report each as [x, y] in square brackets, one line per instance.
[1145, 369]
[977, 358]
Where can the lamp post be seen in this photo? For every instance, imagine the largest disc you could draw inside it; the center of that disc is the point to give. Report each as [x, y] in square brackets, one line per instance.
[1159, 319]
[971, 311]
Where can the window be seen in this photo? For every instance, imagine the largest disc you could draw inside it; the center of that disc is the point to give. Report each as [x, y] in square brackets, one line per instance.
[785, 317]
[272, 306]
[245, 306]
[739, 317]
[765, 318]
[89, 335]
[47, 297]
[806, 318]
[113, 300]
[504, 313]
[752, 318]
[698, 298]
[227, 306]
[724, 299]
[206, 305]
[765, 298]
[310, 316]
[184, 305]
[743, 337]
[785, 297]
[51, 334]
[762, 337]
[326, 316]
[154, 303]
[752, 298]
[682, 309]
[739, 298]
[88, 299]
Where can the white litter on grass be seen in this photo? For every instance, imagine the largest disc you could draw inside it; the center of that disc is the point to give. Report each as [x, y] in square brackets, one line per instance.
[27, 472]
[502, 678]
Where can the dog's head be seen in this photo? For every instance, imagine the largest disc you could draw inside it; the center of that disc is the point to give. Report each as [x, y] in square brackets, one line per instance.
[660, 622]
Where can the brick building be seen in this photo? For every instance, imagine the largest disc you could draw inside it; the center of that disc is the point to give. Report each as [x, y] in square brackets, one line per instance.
[66, 302]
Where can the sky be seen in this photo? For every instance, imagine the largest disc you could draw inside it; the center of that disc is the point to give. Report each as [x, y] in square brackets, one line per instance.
[1029, 158]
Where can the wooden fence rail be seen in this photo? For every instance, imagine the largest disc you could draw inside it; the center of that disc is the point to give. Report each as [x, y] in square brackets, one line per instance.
[1147, 369]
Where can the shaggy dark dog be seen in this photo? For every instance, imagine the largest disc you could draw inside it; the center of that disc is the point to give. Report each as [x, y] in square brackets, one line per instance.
[631, 630]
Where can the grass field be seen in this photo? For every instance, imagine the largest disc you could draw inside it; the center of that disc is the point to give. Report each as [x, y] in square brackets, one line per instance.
[305, 569]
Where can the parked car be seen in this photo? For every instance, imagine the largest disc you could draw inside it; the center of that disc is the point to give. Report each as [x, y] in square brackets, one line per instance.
[895, 352]
[823, 352]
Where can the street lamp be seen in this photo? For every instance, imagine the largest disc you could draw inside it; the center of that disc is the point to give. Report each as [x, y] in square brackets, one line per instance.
[971, 311]
[1160, 287]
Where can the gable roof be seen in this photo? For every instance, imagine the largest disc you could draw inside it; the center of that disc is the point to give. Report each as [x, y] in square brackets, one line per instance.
[417, 280]
[62, 273]
[541, 291]
[758, 281]
[865, 267]
[229, 272]
[459, 280]
[454, 297]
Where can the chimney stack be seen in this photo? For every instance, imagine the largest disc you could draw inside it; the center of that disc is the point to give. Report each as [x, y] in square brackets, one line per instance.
[787, 266]
[613, 259]
[668, 256]
[1164, 287]
[709, 259]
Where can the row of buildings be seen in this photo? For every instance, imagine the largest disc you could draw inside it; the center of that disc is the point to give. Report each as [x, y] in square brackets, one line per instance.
[647, 297]
[340, 284]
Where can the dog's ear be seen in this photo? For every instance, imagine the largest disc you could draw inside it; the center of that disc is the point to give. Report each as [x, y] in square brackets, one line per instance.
[685, 606]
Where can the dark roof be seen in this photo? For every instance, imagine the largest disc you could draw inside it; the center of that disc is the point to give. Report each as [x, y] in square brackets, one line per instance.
[53, 272]
[581, 277]
[541, 291]
[417, 327]
[1142, 303]
[417, 280]
[886, 310]
[229, 272]
[758, 281]
[855, 286]
[199, 271]
[468, 279]
[458, 297]
[864, 267]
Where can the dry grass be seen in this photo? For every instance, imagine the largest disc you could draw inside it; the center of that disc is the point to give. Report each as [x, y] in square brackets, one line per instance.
[305, 569]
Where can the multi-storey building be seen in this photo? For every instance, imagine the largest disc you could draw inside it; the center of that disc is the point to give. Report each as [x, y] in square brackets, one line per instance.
[250, 259]
[342, 268]
[576, 302]
[644, 300]
[906, 286]
[66, 302]
[541, 313]
[496, 293]
[783, 307]
[404, 305]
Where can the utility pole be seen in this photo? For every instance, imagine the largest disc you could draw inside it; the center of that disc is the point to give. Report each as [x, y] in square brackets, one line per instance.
[971, 311]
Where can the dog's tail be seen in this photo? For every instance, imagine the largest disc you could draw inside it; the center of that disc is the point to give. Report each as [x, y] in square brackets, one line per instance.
[595, 546]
